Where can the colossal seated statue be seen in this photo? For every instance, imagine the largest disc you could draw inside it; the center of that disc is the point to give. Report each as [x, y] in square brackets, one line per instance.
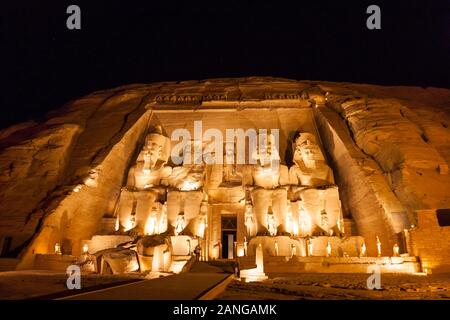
[139, 212]
[145, 186]
[310, 168]
[267, 182]
[150, 170]
[313, 188]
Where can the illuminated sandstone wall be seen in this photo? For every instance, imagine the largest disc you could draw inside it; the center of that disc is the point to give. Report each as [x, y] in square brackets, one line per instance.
[393, 155]
[38, 201]
[431, 242]
[364, 193]
[389, 148]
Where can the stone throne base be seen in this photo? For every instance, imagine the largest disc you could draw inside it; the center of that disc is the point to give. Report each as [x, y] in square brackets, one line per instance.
[344, 257]
[274, 265]
[340, 247]
[255, 274]
[285, 244]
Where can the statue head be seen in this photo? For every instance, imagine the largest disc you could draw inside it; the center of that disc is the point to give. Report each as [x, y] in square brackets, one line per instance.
[155, 147]
[306, 148]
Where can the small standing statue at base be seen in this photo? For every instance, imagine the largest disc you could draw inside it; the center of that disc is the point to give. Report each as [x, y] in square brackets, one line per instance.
[293, 250]
[328, 249]
[179, 224]
[310, 248]
[271, 225]
[276, 248]
[245, 246]
[396, 250]
[58, 249]
[363, 250]
[249, 219]
[378, 246]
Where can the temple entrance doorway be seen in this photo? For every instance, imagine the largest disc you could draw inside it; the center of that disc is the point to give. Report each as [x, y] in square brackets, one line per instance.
[229, 231]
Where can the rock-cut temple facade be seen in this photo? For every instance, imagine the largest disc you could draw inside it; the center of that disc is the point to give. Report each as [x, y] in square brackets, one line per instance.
[355, 176]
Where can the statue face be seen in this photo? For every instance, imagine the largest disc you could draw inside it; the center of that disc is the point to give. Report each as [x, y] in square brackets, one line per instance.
[155, 152]
[306, 148]
[155, 144]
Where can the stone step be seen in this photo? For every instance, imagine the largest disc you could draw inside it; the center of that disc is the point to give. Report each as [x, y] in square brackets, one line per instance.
[333, 264]
[8, 264]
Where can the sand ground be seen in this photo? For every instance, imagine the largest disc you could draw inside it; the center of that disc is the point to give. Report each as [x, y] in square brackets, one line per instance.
[339, 286]
[32, 284]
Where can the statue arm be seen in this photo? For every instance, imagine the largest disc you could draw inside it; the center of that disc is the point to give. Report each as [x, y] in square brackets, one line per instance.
[165, 174]
[284, 175]
[177, 174]
[293, 177]
[131, 181]
[247, 177]
[330, 177]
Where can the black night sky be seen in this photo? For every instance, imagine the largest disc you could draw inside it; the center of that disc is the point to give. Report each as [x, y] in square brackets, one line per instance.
[44, 65]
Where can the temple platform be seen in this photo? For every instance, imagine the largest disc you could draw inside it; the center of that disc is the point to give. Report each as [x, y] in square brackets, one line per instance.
[296, 264]
[55, 262]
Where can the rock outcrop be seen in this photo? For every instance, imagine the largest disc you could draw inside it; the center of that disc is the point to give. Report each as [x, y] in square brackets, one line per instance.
[389, 148]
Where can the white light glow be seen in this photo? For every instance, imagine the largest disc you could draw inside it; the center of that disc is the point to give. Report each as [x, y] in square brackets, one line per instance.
[240, 250]
[190, 185]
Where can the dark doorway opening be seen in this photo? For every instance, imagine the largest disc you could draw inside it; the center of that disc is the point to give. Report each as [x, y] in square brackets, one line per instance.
[443, 217]
[228, 240]
[229, 231]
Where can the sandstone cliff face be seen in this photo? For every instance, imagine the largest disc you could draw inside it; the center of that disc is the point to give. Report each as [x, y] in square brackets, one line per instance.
[389, 148]
[408, 142]
[41, 164]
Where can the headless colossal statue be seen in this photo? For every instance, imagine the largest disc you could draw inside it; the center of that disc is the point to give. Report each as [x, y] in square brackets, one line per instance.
[150, 170]
[186, 190]
[267, 182]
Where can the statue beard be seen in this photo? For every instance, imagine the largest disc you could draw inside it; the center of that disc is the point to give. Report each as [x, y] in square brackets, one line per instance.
[267, 164]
